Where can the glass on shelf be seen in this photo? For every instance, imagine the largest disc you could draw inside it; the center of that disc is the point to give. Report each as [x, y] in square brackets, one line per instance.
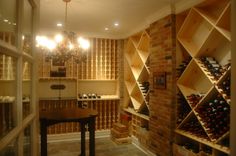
[26, 88]
[7, 94]
[8, 24]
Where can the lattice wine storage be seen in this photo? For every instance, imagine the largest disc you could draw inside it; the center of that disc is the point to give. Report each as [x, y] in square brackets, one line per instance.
[102, 61]
[203, 104]
[136, 71]
[136, 80]
[107, 113]
[7, 93]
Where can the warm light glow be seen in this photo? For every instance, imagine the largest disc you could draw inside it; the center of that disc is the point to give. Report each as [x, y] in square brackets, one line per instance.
[106, 29]
[84, 44]
[116, 24]
[5, 20]
[71, 46]
[42, 41]
[58, 38]
[59, 24]
[51, 45]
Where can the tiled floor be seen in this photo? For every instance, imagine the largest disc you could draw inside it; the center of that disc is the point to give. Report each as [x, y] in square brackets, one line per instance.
[104, 147]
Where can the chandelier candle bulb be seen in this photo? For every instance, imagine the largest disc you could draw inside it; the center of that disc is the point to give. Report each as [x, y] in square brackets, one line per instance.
[58, 38]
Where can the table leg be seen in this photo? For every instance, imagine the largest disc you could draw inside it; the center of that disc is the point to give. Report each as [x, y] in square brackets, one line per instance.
[82, 129]
[43, 132]
[92, 137]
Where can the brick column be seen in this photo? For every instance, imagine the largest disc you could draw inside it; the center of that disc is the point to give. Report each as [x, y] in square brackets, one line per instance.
[162, 101]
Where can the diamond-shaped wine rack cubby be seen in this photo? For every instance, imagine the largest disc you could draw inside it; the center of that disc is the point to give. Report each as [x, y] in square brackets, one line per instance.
[203, 104]
[137, 73]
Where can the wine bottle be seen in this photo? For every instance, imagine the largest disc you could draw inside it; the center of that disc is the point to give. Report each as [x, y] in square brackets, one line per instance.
[182, 67]
[212, 66]
[182, 108]
[193, 99]
[215, 116]
[225, 86]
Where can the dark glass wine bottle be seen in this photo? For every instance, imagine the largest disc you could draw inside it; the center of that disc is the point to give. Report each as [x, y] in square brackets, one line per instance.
[212, 66]
[215, 116]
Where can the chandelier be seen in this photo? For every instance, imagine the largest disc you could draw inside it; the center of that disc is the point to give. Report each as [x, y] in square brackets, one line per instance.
[65, 45]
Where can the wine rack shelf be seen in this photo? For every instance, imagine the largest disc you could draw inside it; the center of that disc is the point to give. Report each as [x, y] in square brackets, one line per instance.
[136, 91]
[137, 72]
[107, 113]
[8, 37]
[203, 104]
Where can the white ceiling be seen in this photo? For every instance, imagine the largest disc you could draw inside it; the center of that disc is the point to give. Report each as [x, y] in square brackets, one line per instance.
[90, 17]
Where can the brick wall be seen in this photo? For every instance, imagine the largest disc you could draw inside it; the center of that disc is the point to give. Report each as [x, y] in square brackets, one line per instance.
[162, 101]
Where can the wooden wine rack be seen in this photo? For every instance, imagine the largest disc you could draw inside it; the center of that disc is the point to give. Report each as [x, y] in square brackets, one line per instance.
[102, 61]
[7, 100]
[8, 37]
[6, 117]
[204, 32]
[107, 113]
[136, 71]
[140, 128]
[7, 67]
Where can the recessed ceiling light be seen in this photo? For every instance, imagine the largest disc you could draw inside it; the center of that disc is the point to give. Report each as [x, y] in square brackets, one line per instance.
[5, 20]
[59, 24]
[116, 24]
[106, 28]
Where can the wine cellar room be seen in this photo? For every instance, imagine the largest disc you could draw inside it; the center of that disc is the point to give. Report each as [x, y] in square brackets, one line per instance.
[132, 77]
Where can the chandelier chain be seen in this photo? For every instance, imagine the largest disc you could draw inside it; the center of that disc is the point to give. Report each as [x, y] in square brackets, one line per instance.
[66, 15]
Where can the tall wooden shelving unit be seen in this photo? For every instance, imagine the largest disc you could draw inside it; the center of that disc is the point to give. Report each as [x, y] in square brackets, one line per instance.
[136, 72]
[205, 32]
[18, 117]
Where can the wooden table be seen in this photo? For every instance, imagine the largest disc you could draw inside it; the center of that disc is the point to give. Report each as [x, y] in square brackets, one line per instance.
[83, 116]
